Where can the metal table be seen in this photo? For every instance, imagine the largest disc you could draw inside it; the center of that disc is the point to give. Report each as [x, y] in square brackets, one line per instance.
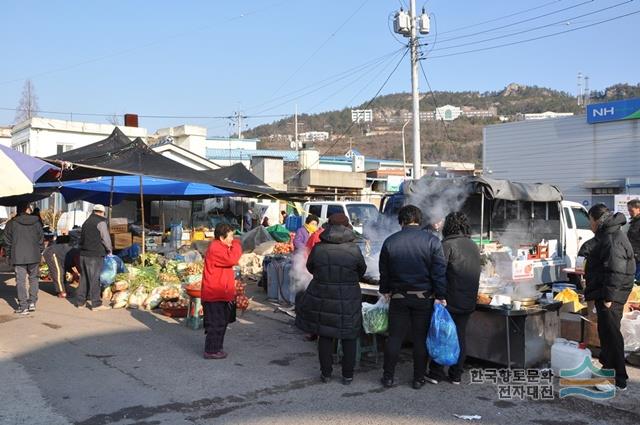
[514, 338]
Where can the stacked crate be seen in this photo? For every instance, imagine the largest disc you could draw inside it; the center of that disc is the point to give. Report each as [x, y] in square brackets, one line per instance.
[121, 238]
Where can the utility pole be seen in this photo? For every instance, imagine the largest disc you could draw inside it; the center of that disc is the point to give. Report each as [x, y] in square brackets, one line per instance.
[410, 25]
[415, 94]
[587, 95]
[239, 125]
[295, 128]
[579, 88]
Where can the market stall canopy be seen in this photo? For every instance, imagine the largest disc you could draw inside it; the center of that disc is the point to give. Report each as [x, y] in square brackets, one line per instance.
[491, 188]
[98, 190]
[117, 155]
[18, 173]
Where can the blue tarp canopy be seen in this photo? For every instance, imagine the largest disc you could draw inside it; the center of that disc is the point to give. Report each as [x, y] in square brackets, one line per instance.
[98, 190]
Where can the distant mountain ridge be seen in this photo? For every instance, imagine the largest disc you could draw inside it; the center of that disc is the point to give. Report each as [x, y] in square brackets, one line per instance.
[458, 140]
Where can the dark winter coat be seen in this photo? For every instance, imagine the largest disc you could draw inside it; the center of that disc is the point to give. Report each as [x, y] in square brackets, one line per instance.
[463, 273]
[332, 304]
[412, 260]
[634, 236]
[610, 266]
[24, 239]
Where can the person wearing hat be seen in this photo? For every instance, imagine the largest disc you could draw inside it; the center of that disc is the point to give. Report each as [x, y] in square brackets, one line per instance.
[331, 307]
[95, 244]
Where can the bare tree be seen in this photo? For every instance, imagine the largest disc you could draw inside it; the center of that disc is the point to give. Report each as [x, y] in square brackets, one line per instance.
[28, 106]
[113, 120]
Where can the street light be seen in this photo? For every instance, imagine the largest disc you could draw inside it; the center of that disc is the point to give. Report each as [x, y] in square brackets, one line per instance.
[404, 153]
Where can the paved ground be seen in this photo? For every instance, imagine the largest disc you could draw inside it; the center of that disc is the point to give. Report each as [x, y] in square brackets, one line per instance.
[67, 366]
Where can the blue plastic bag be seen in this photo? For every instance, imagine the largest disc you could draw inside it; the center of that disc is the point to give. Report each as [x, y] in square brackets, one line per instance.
[442, 341]
[109, 270]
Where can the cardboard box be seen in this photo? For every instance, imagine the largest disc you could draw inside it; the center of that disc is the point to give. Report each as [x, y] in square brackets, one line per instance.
[118, 225]
[150, 240]
[121, 240]
[570, 327]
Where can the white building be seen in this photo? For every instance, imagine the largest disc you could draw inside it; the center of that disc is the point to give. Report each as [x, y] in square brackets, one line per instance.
[588, 162]
[43, 137]
[547, 115]
[5, 137]
[313, 136]
[361, 115]
[448, 113]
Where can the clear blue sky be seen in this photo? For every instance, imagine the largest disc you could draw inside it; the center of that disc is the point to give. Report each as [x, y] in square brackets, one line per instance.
[212, 57]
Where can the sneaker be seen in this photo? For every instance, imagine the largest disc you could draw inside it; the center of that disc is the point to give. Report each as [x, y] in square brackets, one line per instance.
[605, 387]
[62, 295]
[83, 305]
[22, 311]
[621, 388]
[346, 381]
[418, 383]
[455, 380]
[215, 356]
[32, 307]
[101, 307]
[325, 379]
[387, 382]
[431, 379]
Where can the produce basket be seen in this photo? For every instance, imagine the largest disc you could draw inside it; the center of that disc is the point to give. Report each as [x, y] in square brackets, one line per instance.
[175, 312]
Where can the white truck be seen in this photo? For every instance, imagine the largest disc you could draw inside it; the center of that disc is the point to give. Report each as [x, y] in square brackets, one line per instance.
[359, 213]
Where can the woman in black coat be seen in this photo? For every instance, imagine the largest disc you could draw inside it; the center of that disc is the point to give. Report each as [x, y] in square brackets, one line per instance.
[463, 281]
[331, 307]
[610, 272]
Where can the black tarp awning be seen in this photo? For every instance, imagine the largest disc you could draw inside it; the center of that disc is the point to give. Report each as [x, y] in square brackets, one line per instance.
[117, 155]
[491, 188]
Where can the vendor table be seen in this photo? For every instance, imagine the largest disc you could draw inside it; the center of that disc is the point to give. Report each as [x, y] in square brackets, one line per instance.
[514, 338]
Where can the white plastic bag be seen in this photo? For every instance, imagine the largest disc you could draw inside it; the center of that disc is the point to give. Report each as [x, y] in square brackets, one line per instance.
[375, 317]
[630, 328]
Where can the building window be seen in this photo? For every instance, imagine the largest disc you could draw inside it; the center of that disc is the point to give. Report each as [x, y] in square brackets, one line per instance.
[607, 191]
[63, 148]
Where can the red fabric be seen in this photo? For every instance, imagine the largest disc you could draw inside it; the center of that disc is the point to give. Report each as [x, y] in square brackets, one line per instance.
[314, 239]
[218, 279]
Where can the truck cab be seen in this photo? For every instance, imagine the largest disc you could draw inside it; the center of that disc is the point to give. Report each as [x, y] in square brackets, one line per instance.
[577, 230]
[359, 213]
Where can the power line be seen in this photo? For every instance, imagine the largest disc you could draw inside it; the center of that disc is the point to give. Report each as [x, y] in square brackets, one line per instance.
[329, 80]
[534, 18]
[595, 12]
[324, 43]
[534, 38]
[522, 12]
[204, 117]
[289, 100]
[344, 134]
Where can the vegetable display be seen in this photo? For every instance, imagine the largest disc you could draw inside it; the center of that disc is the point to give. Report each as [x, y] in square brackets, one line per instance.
[375, 317]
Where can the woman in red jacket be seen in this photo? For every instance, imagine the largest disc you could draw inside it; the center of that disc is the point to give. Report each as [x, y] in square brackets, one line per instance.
[219, 288]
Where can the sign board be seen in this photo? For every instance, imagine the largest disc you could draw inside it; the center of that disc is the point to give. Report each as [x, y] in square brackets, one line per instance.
[394, 183]
[522, 270]
[620, 203]
[613, 111]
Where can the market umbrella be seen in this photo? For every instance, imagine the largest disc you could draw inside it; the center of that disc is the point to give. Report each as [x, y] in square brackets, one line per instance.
[18, 172]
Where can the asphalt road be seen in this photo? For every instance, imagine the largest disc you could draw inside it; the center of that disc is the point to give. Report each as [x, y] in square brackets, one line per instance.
[64, 366]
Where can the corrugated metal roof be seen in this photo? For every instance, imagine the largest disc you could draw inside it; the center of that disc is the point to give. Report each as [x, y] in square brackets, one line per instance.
[246, 154]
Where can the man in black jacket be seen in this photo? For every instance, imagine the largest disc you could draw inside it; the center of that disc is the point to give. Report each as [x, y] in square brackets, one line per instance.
[24, 241]
[463, 281]
[95, 243]
[633, 233]
[412, 270]
[610, 271]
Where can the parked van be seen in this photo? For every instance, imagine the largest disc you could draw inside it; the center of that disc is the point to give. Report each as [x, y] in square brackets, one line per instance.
[359, 213]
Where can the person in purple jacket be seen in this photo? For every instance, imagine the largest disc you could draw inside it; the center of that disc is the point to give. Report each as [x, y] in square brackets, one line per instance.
[303, 233]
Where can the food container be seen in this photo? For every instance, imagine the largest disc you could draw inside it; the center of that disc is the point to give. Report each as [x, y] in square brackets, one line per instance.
[193, 291]
[175, 312]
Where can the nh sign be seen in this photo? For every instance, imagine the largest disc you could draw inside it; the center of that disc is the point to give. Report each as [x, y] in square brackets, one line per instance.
[613, 111]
